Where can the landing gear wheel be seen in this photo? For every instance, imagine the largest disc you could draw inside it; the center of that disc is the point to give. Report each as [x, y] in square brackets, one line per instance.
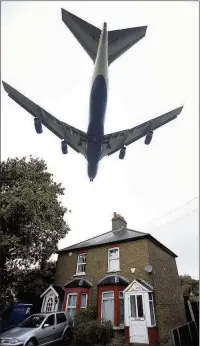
[67, 337]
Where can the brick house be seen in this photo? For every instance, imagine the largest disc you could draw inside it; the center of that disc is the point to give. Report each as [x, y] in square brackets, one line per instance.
[131, 278]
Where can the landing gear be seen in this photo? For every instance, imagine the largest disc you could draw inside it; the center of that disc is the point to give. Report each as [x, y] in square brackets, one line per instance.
[91, 179]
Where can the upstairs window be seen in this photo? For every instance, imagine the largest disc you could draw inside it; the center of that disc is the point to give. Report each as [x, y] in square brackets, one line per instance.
[81, 264]
[113, 259]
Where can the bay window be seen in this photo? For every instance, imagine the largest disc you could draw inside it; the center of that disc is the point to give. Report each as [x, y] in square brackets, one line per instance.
[83, 301]
[71, 304]
[121, 308]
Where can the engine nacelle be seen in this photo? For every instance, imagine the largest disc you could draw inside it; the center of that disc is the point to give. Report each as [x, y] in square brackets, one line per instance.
[64, 147]
[148, 137]
[38, 125]
[122, 153]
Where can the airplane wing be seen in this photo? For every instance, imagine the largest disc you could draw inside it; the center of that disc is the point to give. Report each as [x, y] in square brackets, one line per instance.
[115, 141]
[75, 138]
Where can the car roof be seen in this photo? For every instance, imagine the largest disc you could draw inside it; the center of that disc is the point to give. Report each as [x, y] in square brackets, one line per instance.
[49, 313]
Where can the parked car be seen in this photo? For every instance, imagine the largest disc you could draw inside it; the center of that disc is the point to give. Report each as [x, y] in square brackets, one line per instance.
[14, 314]
[40, 329]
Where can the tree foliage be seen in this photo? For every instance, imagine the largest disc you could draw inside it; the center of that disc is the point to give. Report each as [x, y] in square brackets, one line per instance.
[31, 216]
[189, 285]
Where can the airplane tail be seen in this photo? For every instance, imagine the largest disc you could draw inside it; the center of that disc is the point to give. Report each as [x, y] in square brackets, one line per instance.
[119, 41]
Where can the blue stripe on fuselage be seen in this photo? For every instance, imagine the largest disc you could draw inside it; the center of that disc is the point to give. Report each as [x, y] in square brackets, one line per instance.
[98, 102]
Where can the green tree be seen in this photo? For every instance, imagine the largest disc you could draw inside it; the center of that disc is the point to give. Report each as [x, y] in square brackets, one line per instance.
[189, 285]
[33, 282]
[31, 218]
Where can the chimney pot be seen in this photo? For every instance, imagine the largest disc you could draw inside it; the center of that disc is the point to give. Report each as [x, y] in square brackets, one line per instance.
[118, 222]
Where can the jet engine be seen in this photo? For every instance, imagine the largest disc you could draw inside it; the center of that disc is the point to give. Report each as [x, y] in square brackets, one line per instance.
[38, 125]
[64, 147]
[148, 137]
[122, 153]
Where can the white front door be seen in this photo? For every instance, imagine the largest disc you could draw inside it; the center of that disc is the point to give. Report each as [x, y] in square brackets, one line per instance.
[138, 326]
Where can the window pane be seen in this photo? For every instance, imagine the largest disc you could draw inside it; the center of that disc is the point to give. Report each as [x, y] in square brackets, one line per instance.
[108, 310]
[150, 296]
[83, 300]
[82, 258]
[121, 311]
[49, 306]
[140, 306]
[152, 313]
[121, 295]
[60, 318]
[113, 253]
[72, 300]
[133, 306]
[72, 312]
[81, 268]
[108, 295]
[114, 265]
[50, 320]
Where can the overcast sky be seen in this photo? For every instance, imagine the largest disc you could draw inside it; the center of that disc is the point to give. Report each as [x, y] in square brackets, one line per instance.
[43, 60]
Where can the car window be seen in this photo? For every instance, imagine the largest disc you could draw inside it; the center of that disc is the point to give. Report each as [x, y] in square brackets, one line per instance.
[60, 318]
[50, 320]
[33, 321]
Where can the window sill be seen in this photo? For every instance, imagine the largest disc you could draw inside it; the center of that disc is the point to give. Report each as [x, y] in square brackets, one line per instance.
[80, 274]
[113, 272]
[119, 327]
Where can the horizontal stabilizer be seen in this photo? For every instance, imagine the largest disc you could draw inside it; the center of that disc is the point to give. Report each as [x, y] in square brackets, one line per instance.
[86, 34]
[119, 41]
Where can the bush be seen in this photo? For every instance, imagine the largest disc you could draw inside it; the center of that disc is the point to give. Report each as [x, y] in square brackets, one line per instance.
[84, 316]
[88, 330]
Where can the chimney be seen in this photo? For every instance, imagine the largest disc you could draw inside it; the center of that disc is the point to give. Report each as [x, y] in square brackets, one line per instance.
[118, 222]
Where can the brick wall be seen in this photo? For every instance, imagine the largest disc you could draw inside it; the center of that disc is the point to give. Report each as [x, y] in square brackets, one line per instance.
[169, 303]
[132, 255]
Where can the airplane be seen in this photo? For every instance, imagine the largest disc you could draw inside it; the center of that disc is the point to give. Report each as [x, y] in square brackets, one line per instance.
[103, 47]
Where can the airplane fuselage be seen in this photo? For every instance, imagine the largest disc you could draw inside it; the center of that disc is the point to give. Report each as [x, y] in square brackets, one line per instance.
[98, 103]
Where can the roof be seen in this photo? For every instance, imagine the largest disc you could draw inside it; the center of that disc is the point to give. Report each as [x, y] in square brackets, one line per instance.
[145, 284]
[78, 282]
[58, 289]
[106, 238]
[111, 237]
[113, 280]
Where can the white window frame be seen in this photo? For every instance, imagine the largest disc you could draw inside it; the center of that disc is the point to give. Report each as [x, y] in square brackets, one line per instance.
[152, 301]
[71, 306]
[50, 304]
[84, 307]
[79, 263]
[121, 298]
[109, 250]
[109, 298]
